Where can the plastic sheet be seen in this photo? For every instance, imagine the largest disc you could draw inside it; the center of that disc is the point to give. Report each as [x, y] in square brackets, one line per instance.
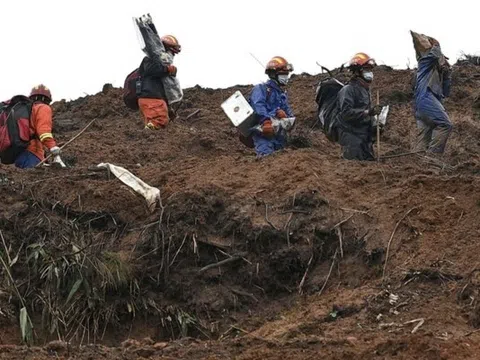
[150, 193]
[152, 46]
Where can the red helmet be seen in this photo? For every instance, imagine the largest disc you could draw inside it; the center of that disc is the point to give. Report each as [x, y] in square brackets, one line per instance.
[41, 90]
[362, 60]
[171, 42]
[279, 65]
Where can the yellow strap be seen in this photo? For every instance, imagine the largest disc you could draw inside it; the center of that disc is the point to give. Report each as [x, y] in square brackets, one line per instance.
[46, 136]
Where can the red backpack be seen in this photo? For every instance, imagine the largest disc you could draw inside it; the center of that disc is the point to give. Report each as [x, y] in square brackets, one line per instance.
[14, 127]
[131, 89]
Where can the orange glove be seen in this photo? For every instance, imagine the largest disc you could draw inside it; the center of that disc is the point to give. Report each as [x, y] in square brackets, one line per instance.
[267, 128]
[172, 70]
[281, 114]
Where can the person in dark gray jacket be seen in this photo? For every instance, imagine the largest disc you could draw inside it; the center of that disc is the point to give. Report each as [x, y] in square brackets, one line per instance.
[355, 112]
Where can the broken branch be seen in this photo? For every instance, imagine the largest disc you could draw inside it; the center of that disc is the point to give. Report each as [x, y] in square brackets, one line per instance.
[343, 221]
[266, 217]
[193, 114]
[179, 249]
[300, 286]
[391, 238]
[355, 210]
[420, 323]
[329, 273]
[340, 239]
[243, 293]
[220, 263]
[295, 211]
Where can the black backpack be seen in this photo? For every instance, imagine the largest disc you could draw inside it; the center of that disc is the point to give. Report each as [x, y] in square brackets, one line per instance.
[326, 99]
[131, 89]
[14, 127]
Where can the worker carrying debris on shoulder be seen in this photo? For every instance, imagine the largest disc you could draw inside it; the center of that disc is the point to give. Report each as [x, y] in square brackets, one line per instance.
[269, 101]
[355, 112]
[26, 128]
[431, 86]
[152, 99]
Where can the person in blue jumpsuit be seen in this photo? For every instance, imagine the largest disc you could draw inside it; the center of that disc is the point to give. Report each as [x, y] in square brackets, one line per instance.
[269, 100]
[432, 85]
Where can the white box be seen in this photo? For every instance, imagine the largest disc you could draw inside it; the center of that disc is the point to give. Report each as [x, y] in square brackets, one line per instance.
[240, 113]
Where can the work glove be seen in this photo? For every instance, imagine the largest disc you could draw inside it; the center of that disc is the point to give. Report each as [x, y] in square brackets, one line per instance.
[55, 151]
[172, 70]
[267, 128]
[281, 114]
[376, 110]
[58, 162]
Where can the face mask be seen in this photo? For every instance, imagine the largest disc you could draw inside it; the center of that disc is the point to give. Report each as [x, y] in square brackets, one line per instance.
[283, 79]
[367, 76]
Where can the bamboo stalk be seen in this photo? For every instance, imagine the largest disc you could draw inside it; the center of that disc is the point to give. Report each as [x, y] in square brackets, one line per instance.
[68, 142]
[378, 128]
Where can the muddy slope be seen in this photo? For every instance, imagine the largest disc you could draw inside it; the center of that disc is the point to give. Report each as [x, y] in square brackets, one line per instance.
[317, 255]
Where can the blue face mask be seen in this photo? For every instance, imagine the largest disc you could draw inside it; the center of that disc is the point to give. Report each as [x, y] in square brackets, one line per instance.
[367, 76]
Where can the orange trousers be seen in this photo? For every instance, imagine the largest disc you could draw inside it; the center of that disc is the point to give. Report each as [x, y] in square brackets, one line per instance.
[154, 111]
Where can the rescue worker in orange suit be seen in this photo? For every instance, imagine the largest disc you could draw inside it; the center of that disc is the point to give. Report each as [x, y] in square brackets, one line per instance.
[270, 100]
[152, 100]
[40, 130]
[355, 111]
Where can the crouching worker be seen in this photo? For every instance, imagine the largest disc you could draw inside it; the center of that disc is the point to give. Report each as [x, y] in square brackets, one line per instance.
[26, 129]
[270, 104]
[355, 112]
[152, 100]
[41, 123]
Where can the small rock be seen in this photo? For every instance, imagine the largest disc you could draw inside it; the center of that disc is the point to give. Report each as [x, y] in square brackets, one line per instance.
[148, 341]
[160, 345]
[130, 343]
[352, 340]
[57, 346]
[169, 349]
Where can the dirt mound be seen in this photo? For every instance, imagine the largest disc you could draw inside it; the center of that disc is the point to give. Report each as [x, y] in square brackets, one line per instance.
[298, 253]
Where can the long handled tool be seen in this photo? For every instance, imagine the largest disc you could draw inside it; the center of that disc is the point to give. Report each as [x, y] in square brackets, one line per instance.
[256, 59]
[378, 129]
[68, 142]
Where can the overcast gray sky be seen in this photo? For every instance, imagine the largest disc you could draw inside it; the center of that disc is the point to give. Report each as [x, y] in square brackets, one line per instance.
[74, 47]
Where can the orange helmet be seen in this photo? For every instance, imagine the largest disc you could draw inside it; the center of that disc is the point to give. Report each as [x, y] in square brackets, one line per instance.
[41, 90]
[171, 42]
[362, 60]
[278, 64]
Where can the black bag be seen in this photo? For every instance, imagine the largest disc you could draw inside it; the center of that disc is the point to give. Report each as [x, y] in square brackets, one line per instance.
[326, 99]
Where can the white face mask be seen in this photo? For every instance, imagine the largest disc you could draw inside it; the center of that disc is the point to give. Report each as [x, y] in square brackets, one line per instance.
[367, 76]
[283, 79]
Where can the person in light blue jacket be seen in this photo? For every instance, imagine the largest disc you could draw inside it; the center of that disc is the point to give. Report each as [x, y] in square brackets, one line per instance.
[270, 100]
[431, 87]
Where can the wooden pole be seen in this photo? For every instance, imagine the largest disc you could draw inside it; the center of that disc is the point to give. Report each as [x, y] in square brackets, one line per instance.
[378, 128]
[68, 142]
